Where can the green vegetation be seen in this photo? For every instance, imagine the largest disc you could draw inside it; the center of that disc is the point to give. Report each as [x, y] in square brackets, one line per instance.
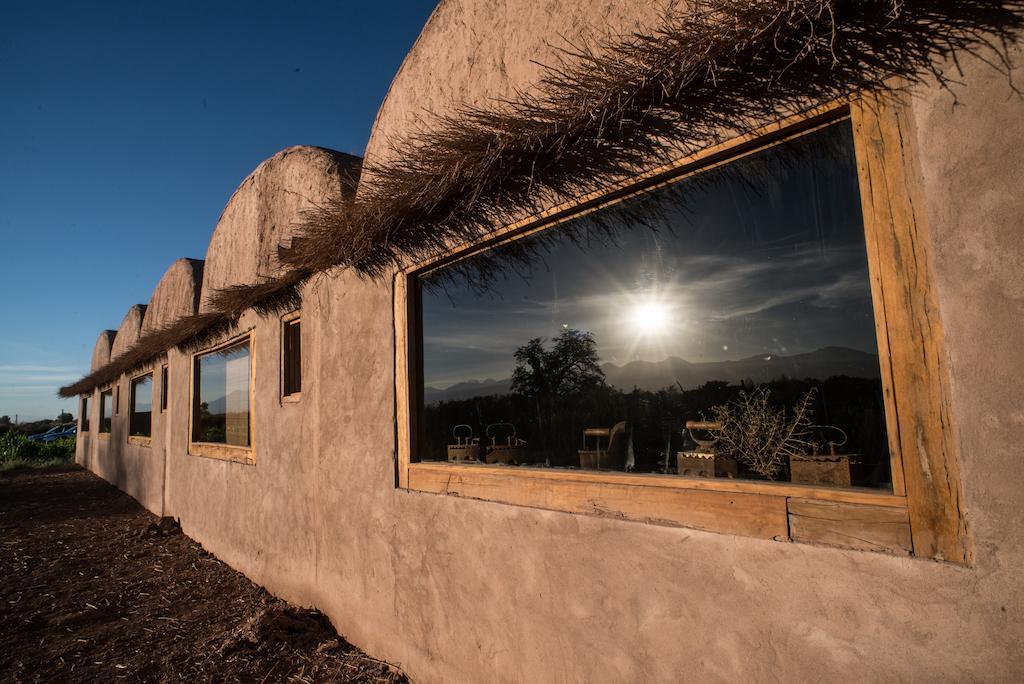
[17, 452]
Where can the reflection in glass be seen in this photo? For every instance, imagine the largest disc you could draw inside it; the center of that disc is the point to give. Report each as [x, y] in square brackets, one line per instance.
[221, 410]
[736, 300]
[106, 402]
[84, 413]
[140, 410]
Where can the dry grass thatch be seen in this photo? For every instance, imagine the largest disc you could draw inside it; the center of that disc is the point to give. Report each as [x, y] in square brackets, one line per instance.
[189, 332]
[716, 69]
[721, 67]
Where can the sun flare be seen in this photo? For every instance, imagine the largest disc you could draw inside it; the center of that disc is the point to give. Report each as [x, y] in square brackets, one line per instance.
[651, 318]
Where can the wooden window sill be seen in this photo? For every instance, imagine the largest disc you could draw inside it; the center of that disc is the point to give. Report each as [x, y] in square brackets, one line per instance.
[140, 441]
[222, 452]
[292, 398]
[103, 435]
[853, 518]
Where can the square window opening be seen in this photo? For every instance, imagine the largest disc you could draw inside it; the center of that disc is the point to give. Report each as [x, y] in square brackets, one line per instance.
[140, 409]
[106, 405]
[221, 411]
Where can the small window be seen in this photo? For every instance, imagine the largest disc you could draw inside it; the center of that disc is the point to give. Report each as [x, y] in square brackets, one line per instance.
[84, 415]
[221, 410]
[140, 410]
[163, 389]
[291, 364]
[117, 400]
[106, 398]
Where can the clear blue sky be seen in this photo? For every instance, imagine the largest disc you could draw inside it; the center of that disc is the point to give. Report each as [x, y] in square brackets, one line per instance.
[125, 127]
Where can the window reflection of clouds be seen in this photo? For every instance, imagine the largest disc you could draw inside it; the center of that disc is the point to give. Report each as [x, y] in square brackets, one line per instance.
[765, 255]
[143, 394]
[223, 404]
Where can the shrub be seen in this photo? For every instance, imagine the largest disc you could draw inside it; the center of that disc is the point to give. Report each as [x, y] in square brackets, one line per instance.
[16, 450]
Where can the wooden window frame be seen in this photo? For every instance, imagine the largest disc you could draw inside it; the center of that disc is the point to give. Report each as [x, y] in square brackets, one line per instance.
[139, 440]
[165, 375]
[921, 516]
[99, 414]
[225, 452]
[289, 397]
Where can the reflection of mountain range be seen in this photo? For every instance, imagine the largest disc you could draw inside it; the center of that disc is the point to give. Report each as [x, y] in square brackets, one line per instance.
[655, 375]
[239, 399]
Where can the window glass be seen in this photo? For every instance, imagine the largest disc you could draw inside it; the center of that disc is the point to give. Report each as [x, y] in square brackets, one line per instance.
[106, 399]
[221, 411]
[140, 412]
[84, 414]
[719, 326]
[292, 361]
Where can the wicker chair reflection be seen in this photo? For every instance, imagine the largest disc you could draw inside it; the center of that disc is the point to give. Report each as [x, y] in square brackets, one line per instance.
[613, 457]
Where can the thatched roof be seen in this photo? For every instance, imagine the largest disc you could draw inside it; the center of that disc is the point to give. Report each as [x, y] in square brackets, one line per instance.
[717, 68]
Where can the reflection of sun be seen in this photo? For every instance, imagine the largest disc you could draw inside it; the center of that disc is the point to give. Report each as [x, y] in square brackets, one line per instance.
[653, 323]
[651, 317]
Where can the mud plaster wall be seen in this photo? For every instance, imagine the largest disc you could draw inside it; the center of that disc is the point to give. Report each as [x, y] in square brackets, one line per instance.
[462, 590]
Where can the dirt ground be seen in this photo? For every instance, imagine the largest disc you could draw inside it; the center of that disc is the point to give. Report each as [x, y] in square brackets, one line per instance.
[89, 591]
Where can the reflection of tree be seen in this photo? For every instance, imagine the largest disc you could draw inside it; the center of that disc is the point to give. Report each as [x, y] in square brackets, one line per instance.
[570, 368]
[211, 427]
[559, 376]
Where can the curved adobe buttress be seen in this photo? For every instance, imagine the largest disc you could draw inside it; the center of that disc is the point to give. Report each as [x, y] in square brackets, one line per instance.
[101, 350]
[472, 52]
[262, 212]
[176, 296]
[129, 332]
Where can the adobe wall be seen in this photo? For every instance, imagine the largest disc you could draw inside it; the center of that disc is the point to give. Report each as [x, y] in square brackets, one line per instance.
[461, 590]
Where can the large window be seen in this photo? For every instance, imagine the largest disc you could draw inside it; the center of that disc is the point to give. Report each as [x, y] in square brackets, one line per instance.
[697, 346]
[721, 326]
[221, 397]
[140, 410]
[106, 407]
[83, 415]
[291, 358]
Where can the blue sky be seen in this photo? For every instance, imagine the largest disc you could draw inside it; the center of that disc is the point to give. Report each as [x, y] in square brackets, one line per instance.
[125, 126]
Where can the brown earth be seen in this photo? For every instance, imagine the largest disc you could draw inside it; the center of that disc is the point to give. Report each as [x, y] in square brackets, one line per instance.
[91, 589]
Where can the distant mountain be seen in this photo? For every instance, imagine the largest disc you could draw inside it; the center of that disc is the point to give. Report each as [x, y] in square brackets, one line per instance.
[239, 398]
[822, 363]
[655, 375]
[465, 390]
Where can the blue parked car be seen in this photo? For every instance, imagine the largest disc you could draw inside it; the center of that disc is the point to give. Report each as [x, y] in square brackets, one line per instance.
[55, 433]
